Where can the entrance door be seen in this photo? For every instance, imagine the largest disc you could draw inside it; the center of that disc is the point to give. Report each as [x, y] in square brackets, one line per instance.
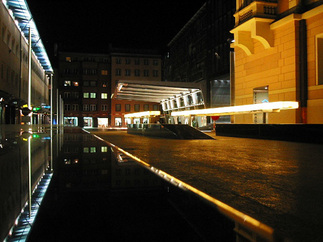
[260, 95]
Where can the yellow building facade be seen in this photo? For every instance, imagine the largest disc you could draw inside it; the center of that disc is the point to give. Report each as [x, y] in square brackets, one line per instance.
[279, 57]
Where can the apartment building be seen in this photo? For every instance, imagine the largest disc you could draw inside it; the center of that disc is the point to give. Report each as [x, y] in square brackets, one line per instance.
[132, 64]
[85, 86]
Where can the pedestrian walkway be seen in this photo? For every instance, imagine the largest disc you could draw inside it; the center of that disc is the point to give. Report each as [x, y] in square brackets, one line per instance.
[278, 183]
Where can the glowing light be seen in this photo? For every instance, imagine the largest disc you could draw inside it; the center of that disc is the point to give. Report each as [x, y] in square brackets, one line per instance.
[243, 109]
[142, 114]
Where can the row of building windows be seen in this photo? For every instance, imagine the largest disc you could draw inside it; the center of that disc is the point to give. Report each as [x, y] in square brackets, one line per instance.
[89, 72]
[68, 83]
[14, 48]
[127, 107]
[137, 72]
[85, 107]
[86, 95]
[137, 61]
[87, 59]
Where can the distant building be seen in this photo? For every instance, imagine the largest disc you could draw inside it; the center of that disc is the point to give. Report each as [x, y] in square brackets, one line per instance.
[278, 57]
[132, 64]
[200, 52]
[14, 66]
[85, 86]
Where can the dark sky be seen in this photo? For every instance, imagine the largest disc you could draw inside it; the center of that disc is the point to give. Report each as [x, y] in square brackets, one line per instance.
[91, 25]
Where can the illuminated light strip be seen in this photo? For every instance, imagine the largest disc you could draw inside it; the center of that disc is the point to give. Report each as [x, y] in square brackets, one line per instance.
[142, 114]
[254, 225]
[243, 109]
[24, 222]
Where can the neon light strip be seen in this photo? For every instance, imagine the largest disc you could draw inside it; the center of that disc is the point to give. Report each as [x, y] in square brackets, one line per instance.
[243, 109]
[142, 114]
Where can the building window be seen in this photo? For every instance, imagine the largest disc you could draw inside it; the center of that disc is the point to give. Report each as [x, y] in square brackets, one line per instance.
[118, 60]
[104, 72]
[137, 72]
[128, 72]
[118, 107]
[86, 95]
[104, 95]
[155, 107]
[75, 95]
[86, 107]
[137, 107]
[67, 95]
[67, 107]
[155, 73]
[67, 83]
[146, 72]
[104, 107]
[75, 107]
[86, 83]
[68, 59]
[127, 107]
[104, 84]
[128, 61]
[118, 72]
[155, 62]
[75, 84]
[319, 59]
[93, 107]
[146, 107]
[104, 149]
[146, 62]
[93, 83]
[92, 95]
[137, 61]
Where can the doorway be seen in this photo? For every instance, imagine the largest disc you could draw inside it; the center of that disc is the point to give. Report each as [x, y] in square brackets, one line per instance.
[260, 95]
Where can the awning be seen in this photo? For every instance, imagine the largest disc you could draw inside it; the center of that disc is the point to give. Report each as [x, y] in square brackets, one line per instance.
[20, 12]
[152, 91]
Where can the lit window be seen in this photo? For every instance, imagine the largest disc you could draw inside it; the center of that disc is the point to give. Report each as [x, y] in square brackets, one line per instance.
[85, 95]
[85, 149]
[68, 59]
[104, 72]
[67, 83]
[93, 150]
[93, 95]
[104, 149]
[104, 95]
[75, 84]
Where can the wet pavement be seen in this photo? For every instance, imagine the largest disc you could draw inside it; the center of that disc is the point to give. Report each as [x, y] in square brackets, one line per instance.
[276, 182]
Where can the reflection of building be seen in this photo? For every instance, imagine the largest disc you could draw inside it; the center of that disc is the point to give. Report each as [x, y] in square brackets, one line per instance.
[15, 23]
[132, 64]
[278, 57]
[84, 81]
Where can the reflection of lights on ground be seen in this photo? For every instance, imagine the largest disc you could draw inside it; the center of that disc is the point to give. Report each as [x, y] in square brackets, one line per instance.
[25, 221]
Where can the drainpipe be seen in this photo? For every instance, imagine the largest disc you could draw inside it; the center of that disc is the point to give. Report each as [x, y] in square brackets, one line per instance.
[303, 76]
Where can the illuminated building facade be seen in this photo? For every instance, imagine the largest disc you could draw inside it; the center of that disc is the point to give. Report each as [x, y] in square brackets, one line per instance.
[132, 64]
[279, 57]
[15, 25]
[85, 85]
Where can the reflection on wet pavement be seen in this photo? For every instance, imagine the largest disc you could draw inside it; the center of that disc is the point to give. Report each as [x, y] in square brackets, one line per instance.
[276, 182]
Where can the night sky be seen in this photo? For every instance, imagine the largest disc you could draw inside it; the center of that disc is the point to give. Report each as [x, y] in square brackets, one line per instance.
[89, 26]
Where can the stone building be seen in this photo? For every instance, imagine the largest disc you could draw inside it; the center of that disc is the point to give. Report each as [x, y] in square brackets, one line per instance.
[278, 57]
